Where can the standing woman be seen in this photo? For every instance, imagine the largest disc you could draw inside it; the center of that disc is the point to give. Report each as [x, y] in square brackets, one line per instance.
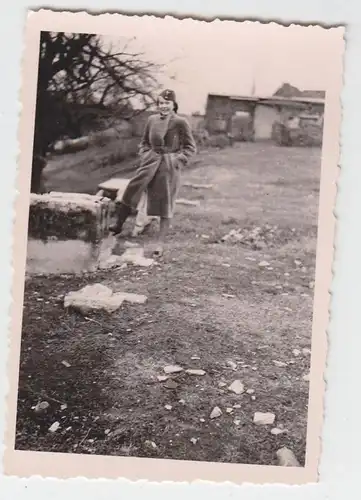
[166, 146]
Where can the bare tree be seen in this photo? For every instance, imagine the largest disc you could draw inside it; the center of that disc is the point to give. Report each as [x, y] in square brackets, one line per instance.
[79, 79]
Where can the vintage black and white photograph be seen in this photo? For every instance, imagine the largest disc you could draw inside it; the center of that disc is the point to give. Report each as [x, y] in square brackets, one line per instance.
[171, 241]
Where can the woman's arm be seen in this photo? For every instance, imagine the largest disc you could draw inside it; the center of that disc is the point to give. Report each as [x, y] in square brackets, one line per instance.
[144, 144]
[188, 144]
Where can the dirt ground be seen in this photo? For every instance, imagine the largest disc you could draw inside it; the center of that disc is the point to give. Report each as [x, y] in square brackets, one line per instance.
[207, 299]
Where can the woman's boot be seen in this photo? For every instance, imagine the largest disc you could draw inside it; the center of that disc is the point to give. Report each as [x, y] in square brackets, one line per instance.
[122, 213]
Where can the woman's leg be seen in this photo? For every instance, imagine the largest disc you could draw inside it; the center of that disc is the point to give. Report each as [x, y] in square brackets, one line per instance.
[162, 236]
[132, 196]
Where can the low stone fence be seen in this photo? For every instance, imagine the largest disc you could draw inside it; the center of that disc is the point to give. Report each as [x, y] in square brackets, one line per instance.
[68, 233]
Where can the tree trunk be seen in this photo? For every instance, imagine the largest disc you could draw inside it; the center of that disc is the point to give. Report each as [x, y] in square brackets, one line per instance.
[37, 181]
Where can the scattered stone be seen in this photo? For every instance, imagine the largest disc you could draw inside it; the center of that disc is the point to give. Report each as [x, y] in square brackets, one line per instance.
[168, 407]
[196, 372]
[306, 377]
[296, 352]
[250, 391]
[229, 410]
[237, 421]
[162, 378]
[66, 364]
[192, 203]
[236, 406]
[194, 440]
[54, 427]
[107, 431]
[195, 358]
[232, 365]
[298, 262]
[170, 384]
[150, 444]
[172, 369]
[228, 295]
[226, 265]
[99, 297]
[280, 364]
[198, 186]
[63, 407]
[306, 351]
[216, 412]
[286, 458]
[136, 257]
[276, 432]
[253, 398]
[182, 402]
[260, 418]
[222, 384]
[254, 368]
[263, 263]
[311, 285]
[237, 387]
[205, 236]
[41, 407]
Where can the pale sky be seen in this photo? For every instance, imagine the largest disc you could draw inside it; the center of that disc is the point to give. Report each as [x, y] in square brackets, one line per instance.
[225, 56]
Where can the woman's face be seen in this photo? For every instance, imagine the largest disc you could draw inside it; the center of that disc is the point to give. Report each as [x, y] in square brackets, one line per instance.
[164, 106]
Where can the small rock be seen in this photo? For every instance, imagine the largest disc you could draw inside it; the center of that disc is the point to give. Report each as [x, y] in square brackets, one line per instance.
[286, 458]
[66, 364]
[54, 427]
[236, 406]
[250, 391]
[232, 365]
[194, 440]
[237, 387]
[107, 431]
[162, 378]
[237, 421]
[170, 384]
[195, 358]
[306, 351]
[222, 384]
[183, 201]
[280, 364]
[228, 295]
[296, 352]
[196, 372]
[253, 398]
[150, 444]
[172, 369]
[202, 420]
[263, 263]
[306, 377]
[182, 401]
[229, 410]
[276, 432]
[63, 407]
[298, 262]
[260, 418]
[168, 407]
[311, 285]
[41, 407]
[216, 412]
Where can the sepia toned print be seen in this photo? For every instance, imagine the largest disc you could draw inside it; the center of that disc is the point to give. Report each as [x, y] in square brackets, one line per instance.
[171, 289]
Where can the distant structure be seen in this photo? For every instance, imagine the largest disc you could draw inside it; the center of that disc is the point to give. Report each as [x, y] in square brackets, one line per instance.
[253, 117]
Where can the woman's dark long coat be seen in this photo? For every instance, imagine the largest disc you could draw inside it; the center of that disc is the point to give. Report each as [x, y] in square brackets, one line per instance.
[166, 146]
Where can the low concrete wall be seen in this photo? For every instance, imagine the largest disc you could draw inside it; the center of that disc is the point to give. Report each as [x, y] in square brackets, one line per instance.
[68, 233]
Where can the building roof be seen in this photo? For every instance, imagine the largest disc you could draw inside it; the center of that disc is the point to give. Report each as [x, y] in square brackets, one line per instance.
[273, 99]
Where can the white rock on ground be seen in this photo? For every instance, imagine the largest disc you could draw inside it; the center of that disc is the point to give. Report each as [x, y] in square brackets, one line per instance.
[237, 387]
[260, 418]
[216, 412]
[195, 372]
[286, 458]
[54, 427]
[41, 407]
[172, 369]
[276, 432]
[99, 297]
[192, 203]
[232, 364]
[263, 263]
